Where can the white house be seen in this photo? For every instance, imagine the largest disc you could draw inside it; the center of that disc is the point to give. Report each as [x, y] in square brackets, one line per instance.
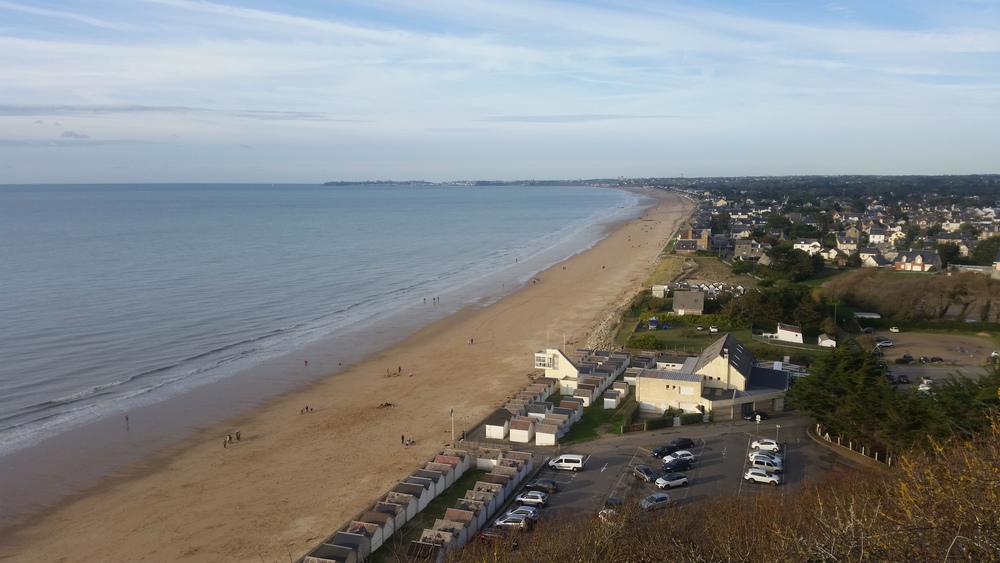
[786, 333]
[810, 246]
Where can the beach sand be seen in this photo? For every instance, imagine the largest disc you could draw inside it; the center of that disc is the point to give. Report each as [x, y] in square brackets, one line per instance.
[293, 478]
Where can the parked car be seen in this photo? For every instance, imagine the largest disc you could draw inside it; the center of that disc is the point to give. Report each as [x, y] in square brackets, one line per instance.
[766, 444]
[492, 535]
[568, 462]
[893, 329]
[924, 360]
[907, 358]
[511, 522]
[881, 338]
[884, 343]
[924, 388]
[754, 475]
[655, 501]
[532, 498]
[867, 330]
[671, 480]
[545, 485]
[877, 353]
[769, 455]
[927, 380]
[681, 443]
[767, 464]
[936, 359]
[890, 377]
[675, 465]
[903, 378]
[756, 415]
[700, 327]
[529, 512]
[664, 450]
[713, 329]
[680, 454]
[644, 473]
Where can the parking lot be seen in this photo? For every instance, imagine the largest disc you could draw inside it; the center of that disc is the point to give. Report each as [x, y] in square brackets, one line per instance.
[721, 453]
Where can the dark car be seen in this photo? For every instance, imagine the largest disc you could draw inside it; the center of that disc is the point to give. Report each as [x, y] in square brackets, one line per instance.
[664, 450]
[544, 485]
[672, 446]
[496, 535]
[681, 443]
[675, 465]
[890, 377]
[936, 359]
[644, 473]
[756, 415]
[902, 378]
[867, 330]
[908, 358]
[924, 360]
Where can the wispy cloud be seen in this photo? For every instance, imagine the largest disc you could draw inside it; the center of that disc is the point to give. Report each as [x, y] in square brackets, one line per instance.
[339, 78]
[73, 135]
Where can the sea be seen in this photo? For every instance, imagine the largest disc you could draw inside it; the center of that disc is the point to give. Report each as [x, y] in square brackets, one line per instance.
[133, 316]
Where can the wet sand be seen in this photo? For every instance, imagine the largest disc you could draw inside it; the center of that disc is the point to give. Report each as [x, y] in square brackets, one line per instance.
[295, 476]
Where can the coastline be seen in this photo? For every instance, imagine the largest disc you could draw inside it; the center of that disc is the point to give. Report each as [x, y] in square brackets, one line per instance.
[294, 477]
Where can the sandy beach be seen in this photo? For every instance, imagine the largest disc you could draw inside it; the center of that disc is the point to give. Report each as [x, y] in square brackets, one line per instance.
[294, 477]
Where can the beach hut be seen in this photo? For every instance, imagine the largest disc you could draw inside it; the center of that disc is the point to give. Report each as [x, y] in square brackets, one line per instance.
[522, 430]
[612, 399]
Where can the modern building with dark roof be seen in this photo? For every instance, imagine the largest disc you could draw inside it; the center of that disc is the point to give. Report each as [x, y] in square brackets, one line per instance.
[724, 379]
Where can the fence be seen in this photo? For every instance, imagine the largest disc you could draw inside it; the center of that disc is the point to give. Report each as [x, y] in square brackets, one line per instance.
[879, 455]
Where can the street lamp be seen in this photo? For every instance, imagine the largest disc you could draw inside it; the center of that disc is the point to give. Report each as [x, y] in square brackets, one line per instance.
[776, 428]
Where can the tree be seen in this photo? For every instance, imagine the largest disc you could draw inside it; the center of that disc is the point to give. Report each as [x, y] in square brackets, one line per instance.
[847, 393]
[986, 251]
[741, 266]
[949, 252]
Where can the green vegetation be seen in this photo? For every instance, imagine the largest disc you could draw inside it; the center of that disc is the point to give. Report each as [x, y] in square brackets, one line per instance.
[596, 421]
[848, 394]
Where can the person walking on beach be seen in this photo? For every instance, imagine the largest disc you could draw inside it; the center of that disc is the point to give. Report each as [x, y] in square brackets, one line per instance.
[402, 439]
[237, 435]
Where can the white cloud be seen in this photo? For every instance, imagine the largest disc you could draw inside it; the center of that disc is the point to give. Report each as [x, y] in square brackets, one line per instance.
[667, 77]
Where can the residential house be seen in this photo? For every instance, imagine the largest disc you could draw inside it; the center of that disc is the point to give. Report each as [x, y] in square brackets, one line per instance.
[847, 244]
[686, 246]
[689, 302]
[786, 333]
[917, 261]
[810, 246]
[749, 249]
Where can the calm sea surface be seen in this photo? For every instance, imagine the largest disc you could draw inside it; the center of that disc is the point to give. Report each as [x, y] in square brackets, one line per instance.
[119, 297]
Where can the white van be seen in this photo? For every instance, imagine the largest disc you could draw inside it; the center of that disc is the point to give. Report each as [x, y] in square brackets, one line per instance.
[769, 465]
[569, 462]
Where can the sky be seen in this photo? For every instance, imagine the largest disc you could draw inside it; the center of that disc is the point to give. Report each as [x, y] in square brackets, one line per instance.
[308, 91]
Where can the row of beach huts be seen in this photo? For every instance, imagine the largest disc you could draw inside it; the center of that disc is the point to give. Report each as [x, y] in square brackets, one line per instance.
[369, 530]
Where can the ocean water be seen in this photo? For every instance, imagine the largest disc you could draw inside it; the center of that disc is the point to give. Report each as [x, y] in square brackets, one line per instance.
[119, 297]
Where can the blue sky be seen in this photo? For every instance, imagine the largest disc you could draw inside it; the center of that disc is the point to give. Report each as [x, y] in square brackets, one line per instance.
[310, 91]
